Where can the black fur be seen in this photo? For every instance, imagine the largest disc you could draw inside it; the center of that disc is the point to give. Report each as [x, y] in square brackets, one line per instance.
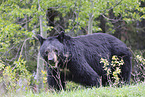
[83, 61]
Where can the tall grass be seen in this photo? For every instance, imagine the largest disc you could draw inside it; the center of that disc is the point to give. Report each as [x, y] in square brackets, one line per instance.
[137, 90]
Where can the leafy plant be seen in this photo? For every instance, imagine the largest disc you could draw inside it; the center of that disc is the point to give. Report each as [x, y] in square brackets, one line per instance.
[139, 69]
[113, 68]
[16, 77]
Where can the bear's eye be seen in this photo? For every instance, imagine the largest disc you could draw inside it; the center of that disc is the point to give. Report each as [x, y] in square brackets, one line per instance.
[56, 51]
[46, 52]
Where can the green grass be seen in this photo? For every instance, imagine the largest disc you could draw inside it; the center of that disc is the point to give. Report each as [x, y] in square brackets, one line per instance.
[137, 90]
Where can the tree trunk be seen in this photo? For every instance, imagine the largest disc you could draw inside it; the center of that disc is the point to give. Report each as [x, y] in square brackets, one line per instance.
[40, 67]
[90, 23]
[90, 19]
[40, 62]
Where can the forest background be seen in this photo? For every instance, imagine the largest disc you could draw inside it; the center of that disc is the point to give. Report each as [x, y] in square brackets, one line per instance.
[21, 67]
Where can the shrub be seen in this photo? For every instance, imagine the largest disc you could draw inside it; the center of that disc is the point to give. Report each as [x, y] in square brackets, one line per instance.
[113, 75]
[138, 74]
[15, 78]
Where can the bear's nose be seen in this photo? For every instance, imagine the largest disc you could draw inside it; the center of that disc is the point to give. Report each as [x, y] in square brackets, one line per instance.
[50, 56]
[50, 59]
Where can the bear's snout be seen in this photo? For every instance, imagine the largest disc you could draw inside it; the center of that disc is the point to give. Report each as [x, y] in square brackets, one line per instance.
[52, 57]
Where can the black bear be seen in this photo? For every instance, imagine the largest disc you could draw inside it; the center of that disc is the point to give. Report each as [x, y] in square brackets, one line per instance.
[78, 58]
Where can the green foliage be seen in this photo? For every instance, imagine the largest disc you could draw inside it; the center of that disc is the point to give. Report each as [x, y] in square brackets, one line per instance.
[82, 8]
[44, 75]
[10, 31]
[139, 69]
[16, 77]
[11, 10]
[141, 59]
[1, 65]
[116, 63]
[73, 86]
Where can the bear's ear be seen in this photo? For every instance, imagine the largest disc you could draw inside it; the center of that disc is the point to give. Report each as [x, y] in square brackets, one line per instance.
[40, 38]
[61, 36]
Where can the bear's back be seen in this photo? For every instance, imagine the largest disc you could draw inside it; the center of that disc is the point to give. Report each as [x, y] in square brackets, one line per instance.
[100, 45]
[100, 39]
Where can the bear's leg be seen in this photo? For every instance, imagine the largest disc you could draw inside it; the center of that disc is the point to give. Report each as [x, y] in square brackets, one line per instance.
[55, 79]
[126, 69]
[84, 74]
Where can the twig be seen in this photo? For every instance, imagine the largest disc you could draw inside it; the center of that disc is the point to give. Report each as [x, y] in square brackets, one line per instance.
[21, 51]
[114, 20]
[22, 47]
[116, 4]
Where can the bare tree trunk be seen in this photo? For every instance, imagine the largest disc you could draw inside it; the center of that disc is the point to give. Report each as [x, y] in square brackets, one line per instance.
[40, 62]
[40, 67]
[90, 19]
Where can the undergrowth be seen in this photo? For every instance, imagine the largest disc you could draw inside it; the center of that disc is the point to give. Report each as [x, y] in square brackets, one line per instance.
[137, 90]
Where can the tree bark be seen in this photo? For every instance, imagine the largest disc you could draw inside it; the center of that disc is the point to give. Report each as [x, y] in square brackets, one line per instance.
[90, 23]
[40, 62]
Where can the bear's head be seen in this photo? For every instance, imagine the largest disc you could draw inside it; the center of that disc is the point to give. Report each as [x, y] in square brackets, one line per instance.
[52, 48]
